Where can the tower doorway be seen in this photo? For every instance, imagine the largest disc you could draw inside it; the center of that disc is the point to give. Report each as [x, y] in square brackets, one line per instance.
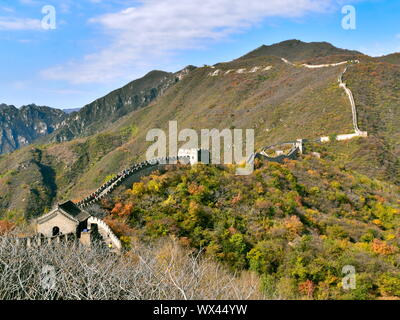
[56, 231]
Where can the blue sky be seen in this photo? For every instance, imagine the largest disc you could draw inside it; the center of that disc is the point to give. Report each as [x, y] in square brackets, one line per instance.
[100, 45]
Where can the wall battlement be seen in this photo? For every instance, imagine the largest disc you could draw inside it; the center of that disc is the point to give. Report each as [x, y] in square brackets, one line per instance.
[40, 240]
[136, 171]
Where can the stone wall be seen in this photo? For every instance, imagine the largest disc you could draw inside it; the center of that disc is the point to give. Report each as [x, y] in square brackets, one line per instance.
[128, 176]
[106, 232]
[40, 240]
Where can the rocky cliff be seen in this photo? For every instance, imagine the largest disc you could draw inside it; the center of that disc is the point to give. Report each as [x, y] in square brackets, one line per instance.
[19, 127]
[101, 113]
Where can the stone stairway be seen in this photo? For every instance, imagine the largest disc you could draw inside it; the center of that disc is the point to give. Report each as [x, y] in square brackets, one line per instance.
[107, 241]
[110, 240]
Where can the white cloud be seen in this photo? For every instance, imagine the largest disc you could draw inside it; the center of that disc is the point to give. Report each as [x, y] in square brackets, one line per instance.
[7, 23]
[156, 28]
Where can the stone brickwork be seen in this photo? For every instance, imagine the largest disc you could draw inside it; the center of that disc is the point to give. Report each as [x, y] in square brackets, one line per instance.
[109, 238]
[135, 172]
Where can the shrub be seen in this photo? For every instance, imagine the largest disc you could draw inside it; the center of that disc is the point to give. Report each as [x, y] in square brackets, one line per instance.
[389, 285]
[6, 226]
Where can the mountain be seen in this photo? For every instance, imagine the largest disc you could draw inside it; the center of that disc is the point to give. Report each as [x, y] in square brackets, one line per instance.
[44, 125]
[281, 102]
[393, 58]
[19, 127]
[101, 113]
[297, 50]
[296, 223]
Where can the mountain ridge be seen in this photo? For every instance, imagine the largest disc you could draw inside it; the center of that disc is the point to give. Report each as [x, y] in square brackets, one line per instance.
[104, 111]
[100, 113]
[393, 58]
[279, 101]
[297, 50]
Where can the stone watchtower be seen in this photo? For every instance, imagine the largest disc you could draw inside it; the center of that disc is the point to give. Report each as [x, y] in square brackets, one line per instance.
[196, 155]
[66, 218]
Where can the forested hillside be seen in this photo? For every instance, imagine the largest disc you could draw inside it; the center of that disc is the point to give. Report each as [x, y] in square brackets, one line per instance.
[295, 224]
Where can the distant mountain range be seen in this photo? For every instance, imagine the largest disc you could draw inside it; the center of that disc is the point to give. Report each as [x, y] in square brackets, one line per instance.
[20, 127]
[99, 114]
[47, 124]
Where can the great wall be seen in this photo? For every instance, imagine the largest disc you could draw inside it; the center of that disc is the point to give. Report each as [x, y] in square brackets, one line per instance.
[128, 176]
[40, 240]
[137, 171]
[357, 131]
[297, 145]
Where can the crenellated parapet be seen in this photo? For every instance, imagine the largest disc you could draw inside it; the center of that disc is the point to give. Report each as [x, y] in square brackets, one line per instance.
[39, 240]
[124, 175]
[109, 238]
